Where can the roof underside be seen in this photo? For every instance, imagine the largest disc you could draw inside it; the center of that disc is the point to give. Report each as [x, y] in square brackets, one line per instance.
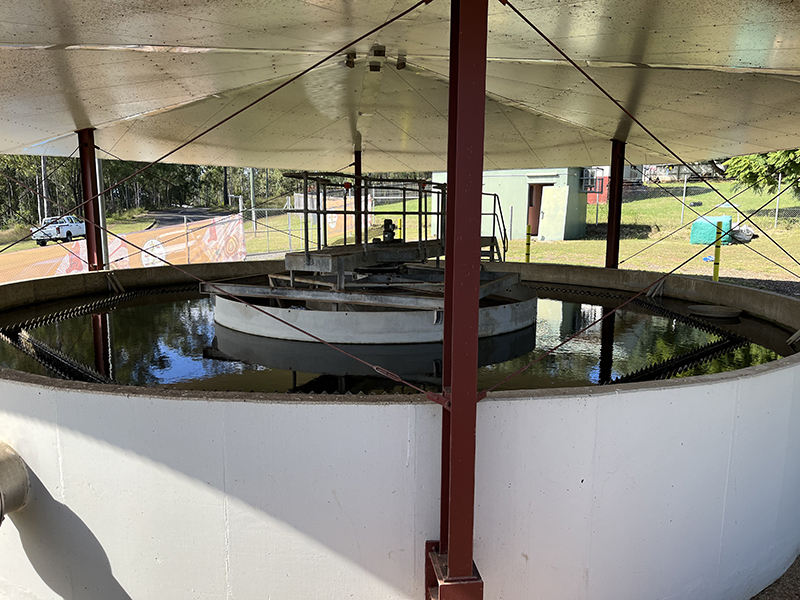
[711, 78]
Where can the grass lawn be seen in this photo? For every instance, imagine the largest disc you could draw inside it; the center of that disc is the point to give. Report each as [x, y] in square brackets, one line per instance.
[655, 214]
[647, 216]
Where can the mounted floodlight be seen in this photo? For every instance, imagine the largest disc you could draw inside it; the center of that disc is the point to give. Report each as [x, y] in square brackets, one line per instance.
[379, 51]
[350, 59]
[401, 62]
[375, 66]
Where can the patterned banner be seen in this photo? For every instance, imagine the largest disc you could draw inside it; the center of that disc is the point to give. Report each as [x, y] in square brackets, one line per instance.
[211, 240]
[336, 223]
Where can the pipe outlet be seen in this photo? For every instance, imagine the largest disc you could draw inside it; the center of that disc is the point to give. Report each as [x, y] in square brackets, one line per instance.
[15, 483]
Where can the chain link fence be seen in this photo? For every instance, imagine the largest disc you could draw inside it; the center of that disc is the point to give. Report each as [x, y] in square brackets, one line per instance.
[685, 198]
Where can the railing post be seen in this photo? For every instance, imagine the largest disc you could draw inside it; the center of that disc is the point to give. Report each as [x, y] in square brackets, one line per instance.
[325, 216]
[305, 216]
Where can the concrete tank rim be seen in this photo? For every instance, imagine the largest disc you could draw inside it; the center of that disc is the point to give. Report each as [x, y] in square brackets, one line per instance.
[96, 282]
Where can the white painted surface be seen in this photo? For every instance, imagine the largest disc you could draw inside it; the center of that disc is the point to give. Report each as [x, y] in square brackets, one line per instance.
[349, 327]
[156, 498]
[688, 489]
[14, 481]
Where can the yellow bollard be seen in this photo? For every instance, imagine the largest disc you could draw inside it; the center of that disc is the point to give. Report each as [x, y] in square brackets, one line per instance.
[717, 249]
[528, 246]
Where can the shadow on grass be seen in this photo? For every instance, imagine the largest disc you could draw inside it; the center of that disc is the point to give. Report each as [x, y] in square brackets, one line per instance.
[627, 232]
[654, 193]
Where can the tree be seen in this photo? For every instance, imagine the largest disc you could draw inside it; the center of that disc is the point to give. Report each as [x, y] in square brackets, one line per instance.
[760, 171]
[160, 186]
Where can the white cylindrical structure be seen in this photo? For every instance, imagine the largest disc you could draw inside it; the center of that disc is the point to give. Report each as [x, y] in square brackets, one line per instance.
[361, 327]
[14, 481]
[686, 488]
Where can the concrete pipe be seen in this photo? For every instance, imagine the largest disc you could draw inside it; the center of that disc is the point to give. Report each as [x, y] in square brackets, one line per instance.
[14, 481]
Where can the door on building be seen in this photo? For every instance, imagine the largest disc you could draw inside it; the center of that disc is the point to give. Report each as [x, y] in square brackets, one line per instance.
[535, 205]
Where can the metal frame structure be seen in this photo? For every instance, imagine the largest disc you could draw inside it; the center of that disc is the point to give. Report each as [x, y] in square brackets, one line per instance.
[426, 191]
[450, 571]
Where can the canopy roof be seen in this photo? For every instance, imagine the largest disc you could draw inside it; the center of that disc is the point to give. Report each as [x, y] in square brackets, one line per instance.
[710, 78]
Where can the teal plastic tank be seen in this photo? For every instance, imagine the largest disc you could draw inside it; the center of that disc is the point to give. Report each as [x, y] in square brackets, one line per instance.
[704, 230]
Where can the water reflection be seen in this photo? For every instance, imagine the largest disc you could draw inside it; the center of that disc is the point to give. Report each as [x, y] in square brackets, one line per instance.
[177, 344]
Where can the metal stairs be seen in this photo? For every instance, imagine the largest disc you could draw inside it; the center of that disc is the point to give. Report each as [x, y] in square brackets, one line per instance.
[490, 249]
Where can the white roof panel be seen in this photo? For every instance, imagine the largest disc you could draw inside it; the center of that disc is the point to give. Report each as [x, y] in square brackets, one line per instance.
[712, 79]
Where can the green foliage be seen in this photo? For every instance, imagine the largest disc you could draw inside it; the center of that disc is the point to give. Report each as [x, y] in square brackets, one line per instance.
[760, 171]
[20, 185]
[159, 186]
[134, 189]
[12, 234]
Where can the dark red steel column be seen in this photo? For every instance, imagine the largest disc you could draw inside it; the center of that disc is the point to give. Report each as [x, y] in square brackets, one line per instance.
[615, 203]
[451, 560]
[358, 192]
[462, 268]
[91, 206]
[451, 208]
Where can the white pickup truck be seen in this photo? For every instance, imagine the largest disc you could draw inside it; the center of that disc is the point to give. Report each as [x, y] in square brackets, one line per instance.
[58, 228]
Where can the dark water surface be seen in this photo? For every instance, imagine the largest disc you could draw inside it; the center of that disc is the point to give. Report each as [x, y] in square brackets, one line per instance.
[176, 344]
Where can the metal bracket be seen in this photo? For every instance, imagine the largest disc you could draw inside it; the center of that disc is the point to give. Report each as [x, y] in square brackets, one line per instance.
[442, 399]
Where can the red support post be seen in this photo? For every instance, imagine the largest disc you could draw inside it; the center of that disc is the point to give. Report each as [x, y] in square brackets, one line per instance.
[451, 559]
[447, 327]
[615, 203]
[91, 206]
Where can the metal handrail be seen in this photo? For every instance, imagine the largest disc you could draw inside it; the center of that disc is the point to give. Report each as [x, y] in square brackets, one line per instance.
[498, 222]
[421, 190]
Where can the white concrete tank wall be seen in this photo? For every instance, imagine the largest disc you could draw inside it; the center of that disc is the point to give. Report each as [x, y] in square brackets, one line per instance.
[666, 491]
[683, 489]
[688, 489]
[147, 497]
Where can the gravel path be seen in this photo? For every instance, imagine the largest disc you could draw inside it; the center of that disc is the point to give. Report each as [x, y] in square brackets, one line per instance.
[786, 588]
[788, 287]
